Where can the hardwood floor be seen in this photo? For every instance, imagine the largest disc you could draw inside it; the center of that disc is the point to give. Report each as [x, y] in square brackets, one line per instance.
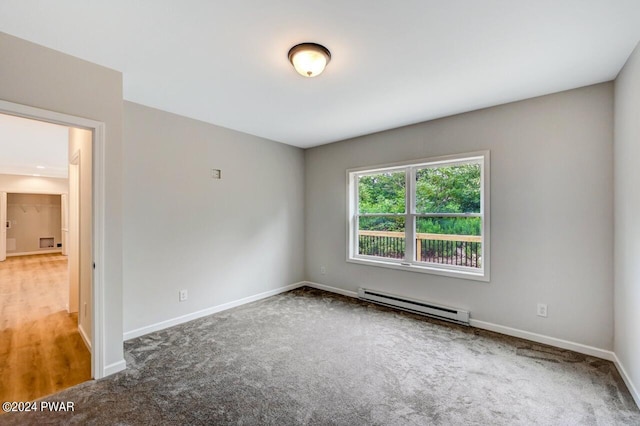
[41, 351]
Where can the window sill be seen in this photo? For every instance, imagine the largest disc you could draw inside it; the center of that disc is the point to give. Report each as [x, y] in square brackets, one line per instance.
[453, 273]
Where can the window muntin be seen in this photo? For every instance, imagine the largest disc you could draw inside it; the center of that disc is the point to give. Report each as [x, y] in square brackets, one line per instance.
[427, 216]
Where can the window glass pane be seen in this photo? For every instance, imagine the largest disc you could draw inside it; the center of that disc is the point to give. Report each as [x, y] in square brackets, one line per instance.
[382, 193]
[448, 189]
[449, 240]
[381, 236]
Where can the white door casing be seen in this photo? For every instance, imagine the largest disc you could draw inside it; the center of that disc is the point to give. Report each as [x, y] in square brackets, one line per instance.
[3, 226]
[74, 233]
[64, 223]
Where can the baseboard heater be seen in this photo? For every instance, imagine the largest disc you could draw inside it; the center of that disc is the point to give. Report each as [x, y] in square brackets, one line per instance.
[417, 306]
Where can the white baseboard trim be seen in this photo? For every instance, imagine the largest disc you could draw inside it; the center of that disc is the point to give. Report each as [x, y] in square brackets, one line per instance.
[534, 337]
[330, 289]
[86, 339]
[627, 380]
[29, 253]
[114, 368]
[205, 312]
[540, 338]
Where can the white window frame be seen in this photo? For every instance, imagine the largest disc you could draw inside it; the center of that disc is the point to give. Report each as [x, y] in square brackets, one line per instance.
[408, 263]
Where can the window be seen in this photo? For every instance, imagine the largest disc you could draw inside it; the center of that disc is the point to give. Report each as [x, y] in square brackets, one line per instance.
[430, 215]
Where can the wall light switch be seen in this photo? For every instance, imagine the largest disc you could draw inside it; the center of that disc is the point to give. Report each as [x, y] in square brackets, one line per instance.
[216, 173]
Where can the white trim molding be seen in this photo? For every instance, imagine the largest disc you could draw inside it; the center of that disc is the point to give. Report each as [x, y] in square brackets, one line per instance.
[114, 368]
[547, 340]
[29, 253]
[206, 312]
[627, 380]
[534, 337]
[99, 231]
[84, 336]
[330, 289]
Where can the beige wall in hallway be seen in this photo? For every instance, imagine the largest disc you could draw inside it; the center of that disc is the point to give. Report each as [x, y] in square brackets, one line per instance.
[33, 184]
[80, 226]
[33, 216]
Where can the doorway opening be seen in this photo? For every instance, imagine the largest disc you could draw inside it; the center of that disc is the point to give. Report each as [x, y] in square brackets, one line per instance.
[77, 243]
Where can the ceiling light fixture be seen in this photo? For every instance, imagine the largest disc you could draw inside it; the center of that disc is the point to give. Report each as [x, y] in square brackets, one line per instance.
[40, 167]
[309, 59]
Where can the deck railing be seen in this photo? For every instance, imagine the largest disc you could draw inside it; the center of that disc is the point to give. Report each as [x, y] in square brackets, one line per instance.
[460, 250]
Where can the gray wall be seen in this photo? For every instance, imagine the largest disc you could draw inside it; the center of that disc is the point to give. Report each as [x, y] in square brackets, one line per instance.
[222, 240]
[552, 205]
[551, 213]
[627, 221]
[44, 78]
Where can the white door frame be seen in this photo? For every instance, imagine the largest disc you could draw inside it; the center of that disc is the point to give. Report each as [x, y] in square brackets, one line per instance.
[3, 226]
[73, 231]
[64, 222]
[98, 346]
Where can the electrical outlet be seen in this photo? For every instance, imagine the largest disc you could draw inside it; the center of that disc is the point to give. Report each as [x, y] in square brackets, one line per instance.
[182, 295]
[542, 310]
[323, 270]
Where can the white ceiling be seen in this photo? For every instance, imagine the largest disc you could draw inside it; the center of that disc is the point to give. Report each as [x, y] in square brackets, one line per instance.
[34, 148]
[393, 62]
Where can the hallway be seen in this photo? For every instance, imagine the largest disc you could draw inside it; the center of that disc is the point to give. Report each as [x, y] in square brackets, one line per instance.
[41, 350]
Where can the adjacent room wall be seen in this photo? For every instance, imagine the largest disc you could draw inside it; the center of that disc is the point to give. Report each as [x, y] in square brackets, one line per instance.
[33, 184]
[36, 76]
[81, 222]
[33, 216]
[627, 221]
[221, 240]
[551, 216]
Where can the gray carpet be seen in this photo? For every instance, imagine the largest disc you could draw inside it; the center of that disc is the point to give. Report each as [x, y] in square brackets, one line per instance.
[311, 357]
